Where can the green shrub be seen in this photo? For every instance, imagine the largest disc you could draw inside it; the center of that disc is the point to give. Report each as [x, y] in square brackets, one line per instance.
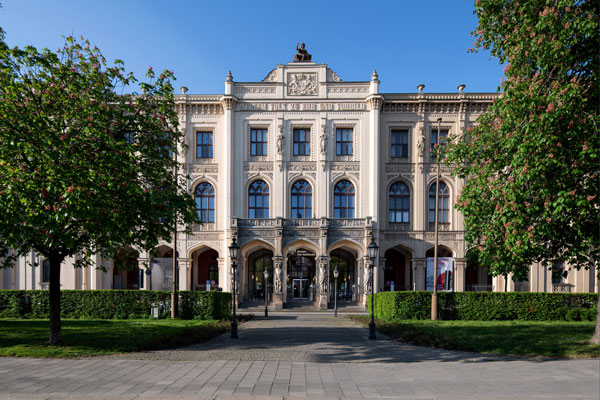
[114, 304]
[487, 306]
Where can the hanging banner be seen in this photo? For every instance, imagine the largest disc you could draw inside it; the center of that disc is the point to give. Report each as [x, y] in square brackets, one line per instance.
[445, 278]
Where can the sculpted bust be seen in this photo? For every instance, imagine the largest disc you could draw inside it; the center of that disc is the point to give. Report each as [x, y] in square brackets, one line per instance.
[302, 55]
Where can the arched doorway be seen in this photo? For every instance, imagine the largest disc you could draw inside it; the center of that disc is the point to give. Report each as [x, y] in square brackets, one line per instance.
[445, 278]
[301, 275]
[398, 272]
[477, 277]
[126, 274]
[205, 273]
[345, 262]
[257, 263]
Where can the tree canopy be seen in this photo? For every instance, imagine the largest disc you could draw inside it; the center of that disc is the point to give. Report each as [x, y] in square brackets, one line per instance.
[86, 167]
[531, 162]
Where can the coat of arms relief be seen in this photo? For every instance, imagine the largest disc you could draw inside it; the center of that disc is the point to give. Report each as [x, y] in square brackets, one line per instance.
[302, 84]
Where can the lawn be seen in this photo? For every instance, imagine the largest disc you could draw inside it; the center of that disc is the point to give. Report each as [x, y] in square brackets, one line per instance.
[523, 338]
[28, 338]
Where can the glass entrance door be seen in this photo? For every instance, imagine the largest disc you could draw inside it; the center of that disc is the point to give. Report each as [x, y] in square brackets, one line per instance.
[300, 288]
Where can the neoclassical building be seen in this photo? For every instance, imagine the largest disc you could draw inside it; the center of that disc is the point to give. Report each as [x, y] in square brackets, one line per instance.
[304, 169]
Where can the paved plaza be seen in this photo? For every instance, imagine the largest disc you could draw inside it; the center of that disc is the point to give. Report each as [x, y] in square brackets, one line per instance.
[300, 355]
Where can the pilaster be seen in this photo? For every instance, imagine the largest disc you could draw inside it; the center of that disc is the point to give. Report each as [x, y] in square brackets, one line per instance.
[460, 267]
[374, 103]
[419, 268]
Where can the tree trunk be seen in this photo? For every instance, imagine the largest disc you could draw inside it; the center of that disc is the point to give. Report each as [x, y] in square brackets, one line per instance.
[55, 323]
[596, 337]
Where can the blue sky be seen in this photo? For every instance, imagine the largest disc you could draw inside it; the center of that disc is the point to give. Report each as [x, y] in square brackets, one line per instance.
[408, 42]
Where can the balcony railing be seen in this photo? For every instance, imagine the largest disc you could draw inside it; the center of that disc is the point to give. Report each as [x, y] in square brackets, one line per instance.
[562, 287]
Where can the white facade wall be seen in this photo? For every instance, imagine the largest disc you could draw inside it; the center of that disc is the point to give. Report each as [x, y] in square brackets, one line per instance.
[311, 96]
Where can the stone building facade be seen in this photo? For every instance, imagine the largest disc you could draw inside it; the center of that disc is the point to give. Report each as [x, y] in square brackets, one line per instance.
[304, 169]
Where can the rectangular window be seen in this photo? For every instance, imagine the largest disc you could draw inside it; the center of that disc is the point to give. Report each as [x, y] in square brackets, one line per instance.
[399, 141]
[259, 139]
[204, 145]
[46, 271]
[301, 142]
[434, 140]
[343, 141]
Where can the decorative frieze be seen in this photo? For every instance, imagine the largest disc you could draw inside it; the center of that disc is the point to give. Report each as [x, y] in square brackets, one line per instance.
[255, 90]
[300, 106]
[271, 76]
[205, 236]
[302, 84]
[332, 76]
[258, 166]
[348, 89]
[400, 168]
[345, 166]
[412, 108]
[204, 169]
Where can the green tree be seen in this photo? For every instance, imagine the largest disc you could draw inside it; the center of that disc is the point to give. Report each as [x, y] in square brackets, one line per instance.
[531, 162]
[85, 168]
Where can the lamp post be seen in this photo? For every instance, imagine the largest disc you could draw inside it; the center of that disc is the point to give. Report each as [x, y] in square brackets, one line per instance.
[233, 254]
[336, 273]
[434, 295]
[372, 251]
[266, 274]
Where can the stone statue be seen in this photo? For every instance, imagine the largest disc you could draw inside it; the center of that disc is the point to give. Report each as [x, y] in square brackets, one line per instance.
[421, 145]
[302, 55]
[323, 143]
[280, 143]
[323, 279]
[277, 278]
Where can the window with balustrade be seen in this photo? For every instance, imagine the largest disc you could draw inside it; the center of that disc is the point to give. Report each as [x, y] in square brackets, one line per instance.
[343, 200]
[204, 196]
[258, 200]
[301, 200]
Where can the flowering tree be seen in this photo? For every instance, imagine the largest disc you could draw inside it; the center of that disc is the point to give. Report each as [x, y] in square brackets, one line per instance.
[531, 162]
[84, 169]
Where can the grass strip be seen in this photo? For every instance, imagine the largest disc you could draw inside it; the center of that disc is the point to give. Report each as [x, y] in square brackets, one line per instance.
[28, 338]
[522, 338]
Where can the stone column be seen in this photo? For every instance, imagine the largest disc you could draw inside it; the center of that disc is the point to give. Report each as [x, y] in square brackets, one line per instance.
[460, 267]
[227, 143]
[278, 283]
[184, 273]
[374, 103]
[323, 282]
[419, 270]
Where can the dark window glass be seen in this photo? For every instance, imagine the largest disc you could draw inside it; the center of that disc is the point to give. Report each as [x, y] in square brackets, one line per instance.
[443, 204]
[301, 142]
[46, 271]
[343, 200]
[258, 200]
[343, 141]
[434, 141]
[301, 200]
[259, 139]
[399, 203]
[204, 196]
[204, 145]
[399, 143]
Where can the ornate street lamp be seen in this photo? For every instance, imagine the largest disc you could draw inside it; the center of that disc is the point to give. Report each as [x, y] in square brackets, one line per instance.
[233, 254]
[266, 274]
[434, 295]
[336, 273]
[372, 251]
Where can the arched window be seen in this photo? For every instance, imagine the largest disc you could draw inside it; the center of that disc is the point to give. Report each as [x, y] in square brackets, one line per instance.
[205, 202]
[343, 200]
[443, 204]
[301, 200]
[399, 203]
[258, 200]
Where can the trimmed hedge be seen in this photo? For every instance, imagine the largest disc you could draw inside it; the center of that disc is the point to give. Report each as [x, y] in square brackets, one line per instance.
[488, 306]
[115, 304]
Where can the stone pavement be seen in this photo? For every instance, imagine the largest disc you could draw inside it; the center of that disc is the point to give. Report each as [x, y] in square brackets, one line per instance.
[300, 356]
